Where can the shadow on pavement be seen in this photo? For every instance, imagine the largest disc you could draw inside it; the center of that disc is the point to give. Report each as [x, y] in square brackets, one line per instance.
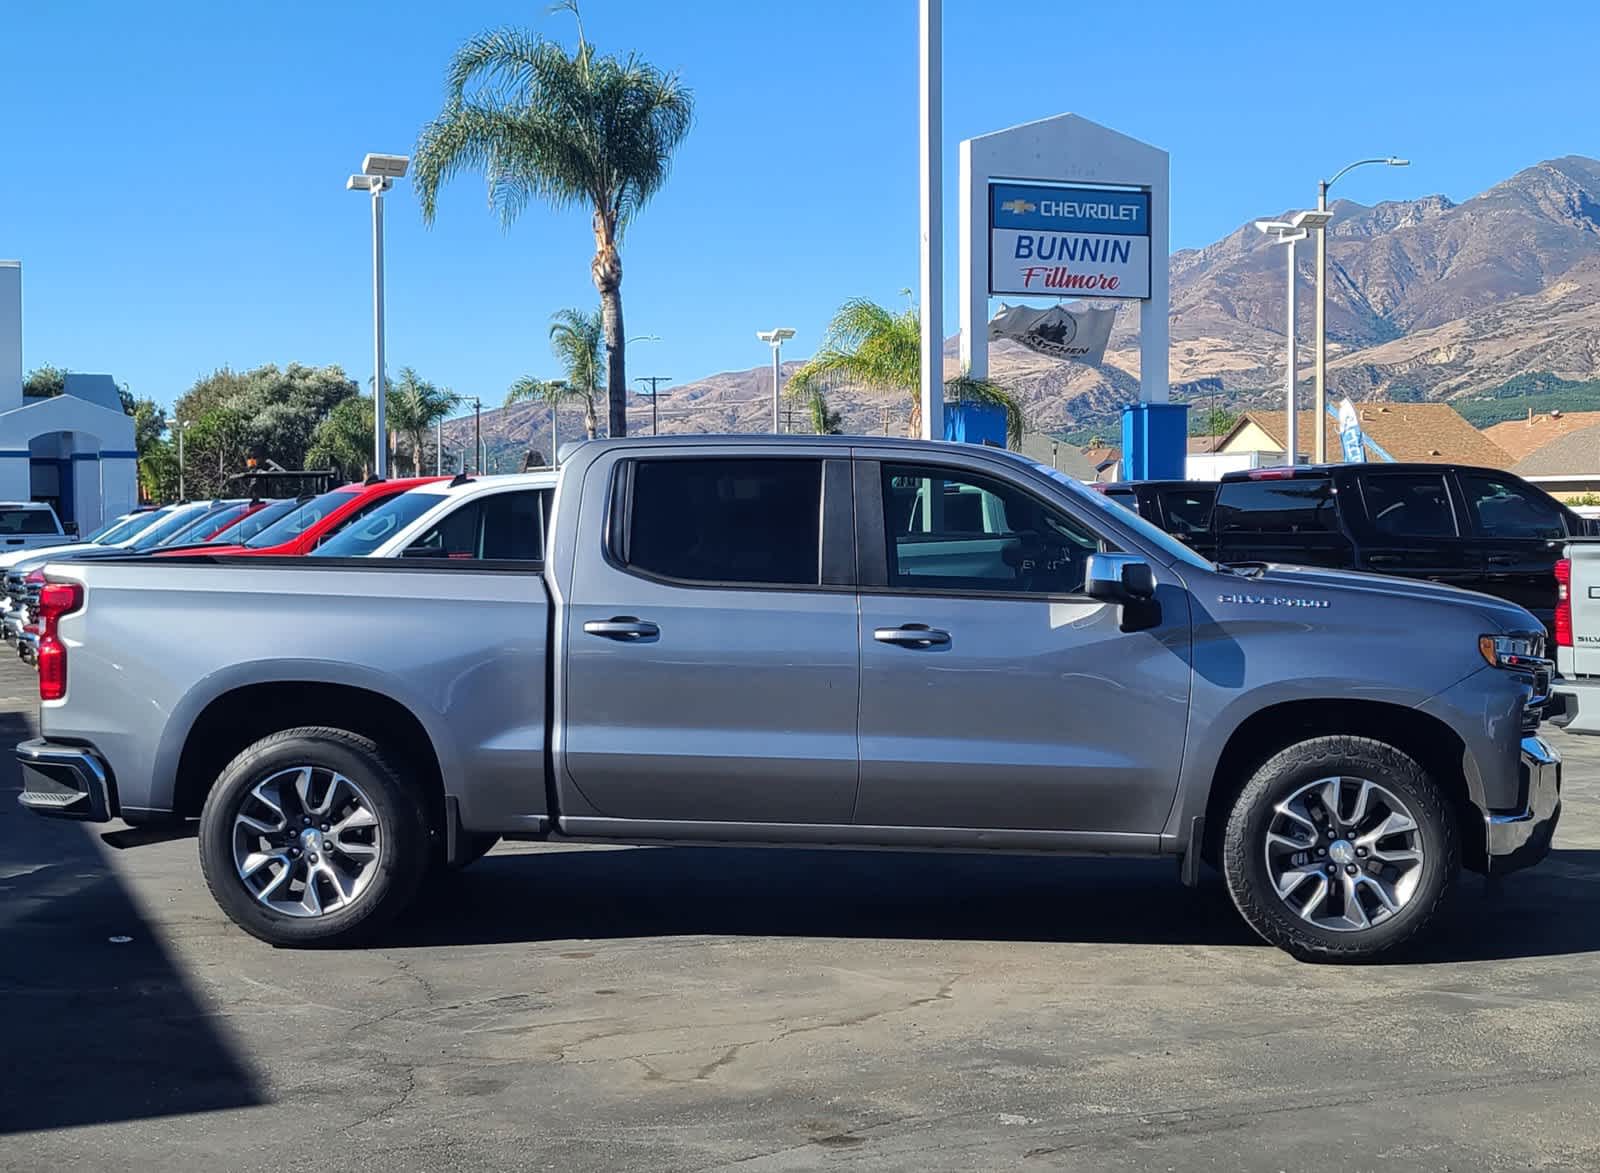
[1552, 910]
[91, 1031]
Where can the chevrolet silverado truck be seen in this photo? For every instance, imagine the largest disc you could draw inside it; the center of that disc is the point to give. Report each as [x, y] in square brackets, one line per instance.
[828, 641]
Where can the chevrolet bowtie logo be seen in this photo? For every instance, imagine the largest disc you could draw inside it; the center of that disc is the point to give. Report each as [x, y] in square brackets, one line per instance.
[1020, 207]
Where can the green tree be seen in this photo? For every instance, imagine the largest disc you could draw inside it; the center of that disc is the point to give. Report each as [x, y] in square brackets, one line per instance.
[577, 340]
[343, 439]
[44, 382]
[1218, 421]
[874, 347]
[571, 130]
[214, 446]
[413, 406]
[271, 413]
[552, 393]
[824, 420]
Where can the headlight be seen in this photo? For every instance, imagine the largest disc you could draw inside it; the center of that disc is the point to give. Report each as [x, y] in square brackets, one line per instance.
[1512, 651]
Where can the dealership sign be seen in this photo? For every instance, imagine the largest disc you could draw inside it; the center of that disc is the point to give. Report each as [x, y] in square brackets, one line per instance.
[1068, 241]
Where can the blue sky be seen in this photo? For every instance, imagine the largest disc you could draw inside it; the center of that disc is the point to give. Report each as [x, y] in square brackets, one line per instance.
[172, 173]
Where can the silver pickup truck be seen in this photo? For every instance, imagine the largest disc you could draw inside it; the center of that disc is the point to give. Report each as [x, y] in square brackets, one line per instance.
[846, 642]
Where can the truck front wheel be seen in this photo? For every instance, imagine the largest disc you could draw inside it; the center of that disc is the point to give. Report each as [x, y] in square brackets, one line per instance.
[1340, 848]
[311, 837]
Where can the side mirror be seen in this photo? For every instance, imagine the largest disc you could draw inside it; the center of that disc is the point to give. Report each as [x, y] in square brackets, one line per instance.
[1120, 578]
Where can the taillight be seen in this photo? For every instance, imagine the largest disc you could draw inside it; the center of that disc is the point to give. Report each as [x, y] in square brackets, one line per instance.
[1564, 603]
[1270, 474]
[55, 600]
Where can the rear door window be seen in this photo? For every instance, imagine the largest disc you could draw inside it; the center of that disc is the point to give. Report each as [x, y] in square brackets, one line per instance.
[1187, 511]
[1299, 505]
[747, 520]
[1414, 505]
[1504, 507]
[502, 527]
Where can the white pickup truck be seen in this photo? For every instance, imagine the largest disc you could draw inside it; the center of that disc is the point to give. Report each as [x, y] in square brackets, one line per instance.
[31, 525]
[1577, 638]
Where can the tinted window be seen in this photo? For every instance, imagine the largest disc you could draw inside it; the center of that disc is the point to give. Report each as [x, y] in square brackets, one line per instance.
[505, 526]
[202, 528]
[27, 521]
[1506, 508]
[125, 530]
[249, 527]
[1188, 511]
[302, 517]
[955, 531]
[179, 519]
[1124, 498]
[1298, 506]
[1413, 505]
[362, 536]
[727, 520]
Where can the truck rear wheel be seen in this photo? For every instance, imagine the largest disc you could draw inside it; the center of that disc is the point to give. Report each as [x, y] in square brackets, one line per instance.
[311, 837]
[1340, 848]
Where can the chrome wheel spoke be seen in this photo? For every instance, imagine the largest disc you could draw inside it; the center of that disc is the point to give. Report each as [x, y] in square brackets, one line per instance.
[1358, 879]
[291, 864]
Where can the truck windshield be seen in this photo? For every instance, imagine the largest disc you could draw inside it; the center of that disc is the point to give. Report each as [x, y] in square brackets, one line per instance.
[301, 518]
[169, 525]
[27, 521]
[243, 530]
[1149, 534]
[130, 527]
[362, 537]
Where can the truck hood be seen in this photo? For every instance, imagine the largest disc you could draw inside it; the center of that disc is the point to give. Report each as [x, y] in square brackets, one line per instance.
[1506, 616]
[43, 554]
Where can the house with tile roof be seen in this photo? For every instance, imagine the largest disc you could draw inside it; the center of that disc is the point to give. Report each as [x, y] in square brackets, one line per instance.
[1430, 433]
[1567, 466]
[1523, 437]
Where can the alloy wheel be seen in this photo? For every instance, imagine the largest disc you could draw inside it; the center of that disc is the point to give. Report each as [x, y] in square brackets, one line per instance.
[306, 841]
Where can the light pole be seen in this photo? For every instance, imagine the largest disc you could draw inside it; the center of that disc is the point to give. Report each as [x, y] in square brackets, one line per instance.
[930, 70]
[1320, 394]
[776, 339]
[378, 173]
[438, 447]
[180, 425]
[477, 433]
[653, 380]
[1290, 232]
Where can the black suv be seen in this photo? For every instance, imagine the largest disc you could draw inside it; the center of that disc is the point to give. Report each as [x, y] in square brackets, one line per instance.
[1477, 528]
[1182, 508]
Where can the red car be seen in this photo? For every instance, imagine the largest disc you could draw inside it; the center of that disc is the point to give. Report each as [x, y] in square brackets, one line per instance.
[305, 527]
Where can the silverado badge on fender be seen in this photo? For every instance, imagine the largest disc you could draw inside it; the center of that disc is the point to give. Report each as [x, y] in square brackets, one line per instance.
[1272, 601]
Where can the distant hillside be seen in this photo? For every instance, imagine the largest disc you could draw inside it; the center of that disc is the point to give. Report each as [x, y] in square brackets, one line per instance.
[1428, 299]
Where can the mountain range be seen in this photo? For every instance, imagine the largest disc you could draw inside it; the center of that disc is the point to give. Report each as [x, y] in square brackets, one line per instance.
[1427, 299]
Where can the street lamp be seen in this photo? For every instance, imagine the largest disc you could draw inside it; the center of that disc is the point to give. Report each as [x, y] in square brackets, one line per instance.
[1321, 384]
[776, 339]
[378, 173]
[1290, 232]
[179, 426]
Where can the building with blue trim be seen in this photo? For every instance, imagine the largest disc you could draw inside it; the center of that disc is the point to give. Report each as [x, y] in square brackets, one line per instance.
[74, 450]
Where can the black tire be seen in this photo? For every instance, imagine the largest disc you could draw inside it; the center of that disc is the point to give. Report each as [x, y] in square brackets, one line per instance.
[1244, 863]
[396, 803]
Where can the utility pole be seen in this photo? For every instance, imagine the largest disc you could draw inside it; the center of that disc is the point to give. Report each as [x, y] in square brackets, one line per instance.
[477, 431]
[180, 425]
[653, 380]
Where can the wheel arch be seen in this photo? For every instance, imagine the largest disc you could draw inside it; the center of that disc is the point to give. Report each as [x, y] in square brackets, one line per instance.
[1436, 747]
[241, 716]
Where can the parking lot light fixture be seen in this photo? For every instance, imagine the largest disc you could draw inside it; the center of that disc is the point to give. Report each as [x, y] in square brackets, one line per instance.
[378, 173]
[776, 339]
[1290, 232]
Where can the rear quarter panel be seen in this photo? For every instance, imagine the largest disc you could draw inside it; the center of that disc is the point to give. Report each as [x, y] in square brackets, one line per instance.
[463, 649]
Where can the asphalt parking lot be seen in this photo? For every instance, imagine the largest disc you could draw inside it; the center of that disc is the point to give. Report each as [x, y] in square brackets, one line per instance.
[676, 1008]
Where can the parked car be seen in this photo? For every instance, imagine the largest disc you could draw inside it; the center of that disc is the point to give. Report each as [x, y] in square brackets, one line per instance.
[494, 518]
[248, 526]
[312, 521]
[22, 585]
[803, 640]
[27, 525]
[1182, 508]
[1476, 528]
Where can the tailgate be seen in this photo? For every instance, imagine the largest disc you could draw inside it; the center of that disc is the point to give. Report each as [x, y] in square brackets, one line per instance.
[1583, 658]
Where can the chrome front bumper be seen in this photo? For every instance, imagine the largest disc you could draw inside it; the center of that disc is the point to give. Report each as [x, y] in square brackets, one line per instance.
[1521, 839]
[65, 782]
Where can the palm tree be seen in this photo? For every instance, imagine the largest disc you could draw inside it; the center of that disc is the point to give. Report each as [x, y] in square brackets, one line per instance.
[570, 130]
[577, 339]
[549, 392]
[414, 405]
[877, 348]
[824, 420]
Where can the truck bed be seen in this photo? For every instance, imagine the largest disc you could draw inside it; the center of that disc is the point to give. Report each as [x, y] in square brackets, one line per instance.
[462, 647]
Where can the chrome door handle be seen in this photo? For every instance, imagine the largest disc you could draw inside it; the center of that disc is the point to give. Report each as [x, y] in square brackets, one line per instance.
[623, 627]
[912, 635]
